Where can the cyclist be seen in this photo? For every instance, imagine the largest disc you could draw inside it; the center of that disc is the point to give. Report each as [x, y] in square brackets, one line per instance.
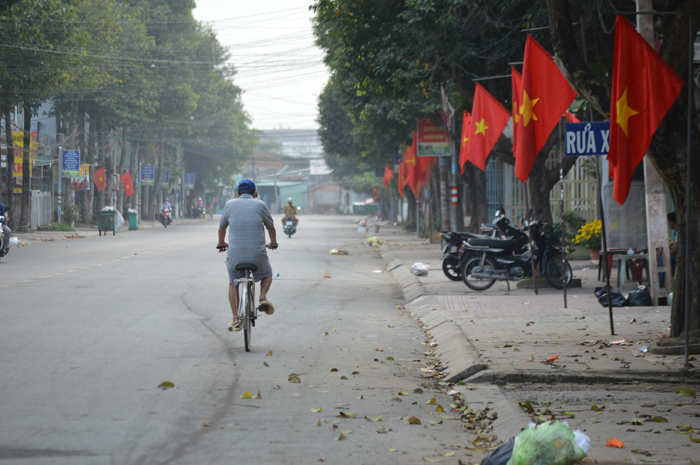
[246, 216]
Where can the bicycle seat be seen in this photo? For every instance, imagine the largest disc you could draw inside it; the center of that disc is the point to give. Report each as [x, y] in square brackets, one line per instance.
[246, 266]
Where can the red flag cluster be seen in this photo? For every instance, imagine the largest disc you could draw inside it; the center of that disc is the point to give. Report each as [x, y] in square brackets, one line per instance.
[128, 184]
[644, 88]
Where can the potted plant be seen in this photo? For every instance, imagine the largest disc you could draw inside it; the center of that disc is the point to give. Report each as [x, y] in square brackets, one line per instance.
[589, 236]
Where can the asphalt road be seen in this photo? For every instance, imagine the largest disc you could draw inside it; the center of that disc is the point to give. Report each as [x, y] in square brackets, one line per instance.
[91, 327]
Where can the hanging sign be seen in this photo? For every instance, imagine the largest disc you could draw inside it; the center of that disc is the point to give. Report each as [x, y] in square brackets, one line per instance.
[433, 141]
[585, 139]
[81, 182]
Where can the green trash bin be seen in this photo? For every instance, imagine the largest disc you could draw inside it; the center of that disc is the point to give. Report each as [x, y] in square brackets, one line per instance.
[105, 222]
[133, 221]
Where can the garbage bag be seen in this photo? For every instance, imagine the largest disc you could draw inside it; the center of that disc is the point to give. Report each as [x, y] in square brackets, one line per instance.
[420, 269]
[618, 300]
[500, 456]
[639, 297]
[548, 443]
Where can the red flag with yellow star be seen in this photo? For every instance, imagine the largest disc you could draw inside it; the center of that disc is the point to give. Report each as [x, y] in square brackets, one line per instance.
[644, 88]
[418, 169]
[100, 179]
[489, 118]
[388, 174]
[546, 94]
[128, 184]
[403, 168]
[466, 132]
[517, 82]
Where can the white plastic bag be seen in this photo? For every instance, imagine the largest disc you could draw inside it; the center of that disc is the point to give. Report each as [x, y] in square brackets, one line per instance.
[420, 269]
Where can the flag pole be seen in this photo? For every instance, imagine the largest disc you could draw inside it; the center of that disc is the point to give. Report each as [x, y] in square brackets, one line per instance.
[528, 213]
[605, 242]
[563, 227]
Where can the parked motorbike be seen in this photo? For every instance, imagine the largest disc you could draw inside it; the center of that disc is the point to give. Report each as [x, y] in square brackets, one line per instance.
[165, 217]
[289, 228]
[486, 261]
[455, 246]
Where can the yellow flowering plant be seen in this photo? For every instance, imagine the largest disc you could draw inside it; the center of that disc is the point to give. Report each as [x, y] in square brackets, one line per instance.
[589, 235]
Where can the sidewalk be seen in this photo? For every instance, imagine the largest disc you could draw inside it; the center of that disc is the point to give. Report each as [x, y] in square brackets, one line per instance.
[82, 231]
[504, 337]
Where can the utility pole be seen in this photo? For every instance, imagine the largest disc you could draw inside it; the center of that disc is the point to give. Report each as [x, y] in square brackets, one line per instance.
[657, 228]
[453, 153]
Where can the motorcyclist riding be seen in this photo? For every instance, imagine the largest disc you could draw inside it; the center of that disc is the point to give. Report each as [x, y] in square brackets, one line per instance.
[5, 231]
[290, 211]
[166, 207]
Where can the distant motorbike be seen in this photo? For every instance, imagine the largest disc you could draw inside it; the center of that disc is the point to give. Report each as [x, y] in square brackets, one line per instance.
[289, 228]
[486, 261]
[165, 217]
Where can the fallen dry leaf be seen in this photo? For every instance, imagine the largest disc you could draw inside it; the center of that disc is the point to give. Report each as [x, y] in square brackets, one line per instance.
[316, 410]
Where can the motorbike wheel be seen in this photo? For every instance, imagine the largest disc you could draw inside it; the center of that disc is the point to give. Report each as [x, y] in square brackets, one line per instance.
[450, 266]
[473, 283]
[554, 273]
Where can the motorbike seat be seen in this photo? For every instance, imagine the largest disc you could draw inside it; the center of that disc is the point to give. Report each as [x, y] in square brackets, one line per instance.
[246, 266]
[494, 243]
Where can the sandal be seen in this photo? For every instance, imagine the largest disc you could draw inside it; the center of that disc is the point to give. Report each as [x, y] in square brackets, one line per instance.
[234, 326]
[266, 306]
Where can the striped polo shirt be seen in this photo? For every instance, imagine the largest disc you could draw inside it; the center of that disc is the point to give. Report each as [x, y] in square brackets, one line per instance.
[245, 218]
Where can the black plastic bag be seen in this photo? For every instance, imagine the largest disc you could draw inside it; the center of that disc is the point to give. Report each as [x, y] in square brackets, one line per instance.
[618, 300]
[639, 297]
[501, 455]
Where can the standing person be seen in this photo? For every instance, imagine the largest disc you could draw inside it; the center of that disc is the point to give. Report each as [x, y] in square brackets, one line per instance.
[246, 216]
[6, 231]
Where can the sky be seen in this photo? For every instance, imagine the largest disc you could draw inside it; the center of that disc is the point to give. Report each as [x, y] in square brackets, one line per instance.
[279, 68]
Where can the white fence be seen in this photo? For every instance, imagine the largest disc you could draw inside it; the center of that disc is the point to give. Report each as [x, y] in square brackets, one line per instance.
[42, 209]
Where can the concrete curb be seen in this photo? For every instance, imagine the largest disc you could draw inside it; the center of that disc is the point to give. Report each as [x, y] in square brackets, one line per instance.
[454, 350]
[563, 376]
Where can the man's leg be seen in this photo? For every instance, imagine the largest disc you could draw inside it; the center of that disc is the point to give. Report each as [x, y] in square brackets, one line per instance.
[6, 236]
[233, 300]
[265, 284]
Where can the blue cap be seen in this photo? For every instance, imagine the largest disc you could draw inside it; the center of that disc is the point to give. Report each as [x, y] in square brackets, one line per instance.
[246, 184]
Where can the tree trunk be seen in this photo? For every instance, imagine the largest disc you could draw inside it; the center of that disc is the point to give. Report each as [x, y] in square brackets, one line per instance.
[101, 158]
[158, 172]
[445, 193]
[120, 171]
[10, 166]
[85, 193]
[92, 129]
[667, 151]
[134, 168]
[26, 211]
[109, 164]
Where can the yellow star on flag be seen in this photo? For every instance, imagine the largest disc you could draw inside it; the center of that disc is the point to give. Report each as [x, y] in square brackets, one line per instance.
[412, 160]
[128, 187]
[624, 112]
[100, 179]
[526, 109]
[481, 127]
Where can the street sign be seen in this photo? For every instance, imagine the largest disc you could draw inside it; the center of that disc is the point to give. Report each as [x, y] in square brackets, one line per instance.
[433, 141]
[165, 181]
[147, 175]
[70, 163]
[584, 139]
[189, 180]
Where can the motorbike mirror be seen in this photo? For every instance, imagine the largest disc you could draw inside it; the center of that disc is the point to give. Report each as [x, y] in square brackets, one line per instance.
[298, 208]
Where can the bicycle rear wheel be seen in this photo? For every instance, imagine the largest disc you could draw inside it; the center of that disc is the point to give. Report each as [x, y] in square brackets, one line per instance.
[243, 305]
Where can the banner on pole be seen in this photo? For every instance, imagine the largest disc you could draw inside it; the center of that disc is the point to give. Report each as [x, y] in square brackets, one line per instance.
[18, 143]
[81, 182]
[433, 141]
[147, 175]
[586, 139]
[165, 181]
[70, 163]
[189, 180]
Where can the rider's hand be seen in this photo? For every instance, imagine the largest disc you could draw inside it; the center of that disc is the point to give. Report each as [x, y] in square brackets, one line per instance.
[222, 247]
[272, 245]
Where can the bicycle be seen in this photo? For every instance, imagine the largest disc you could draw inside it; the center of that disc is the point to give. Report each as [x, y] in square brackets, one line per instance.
[247, 313]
